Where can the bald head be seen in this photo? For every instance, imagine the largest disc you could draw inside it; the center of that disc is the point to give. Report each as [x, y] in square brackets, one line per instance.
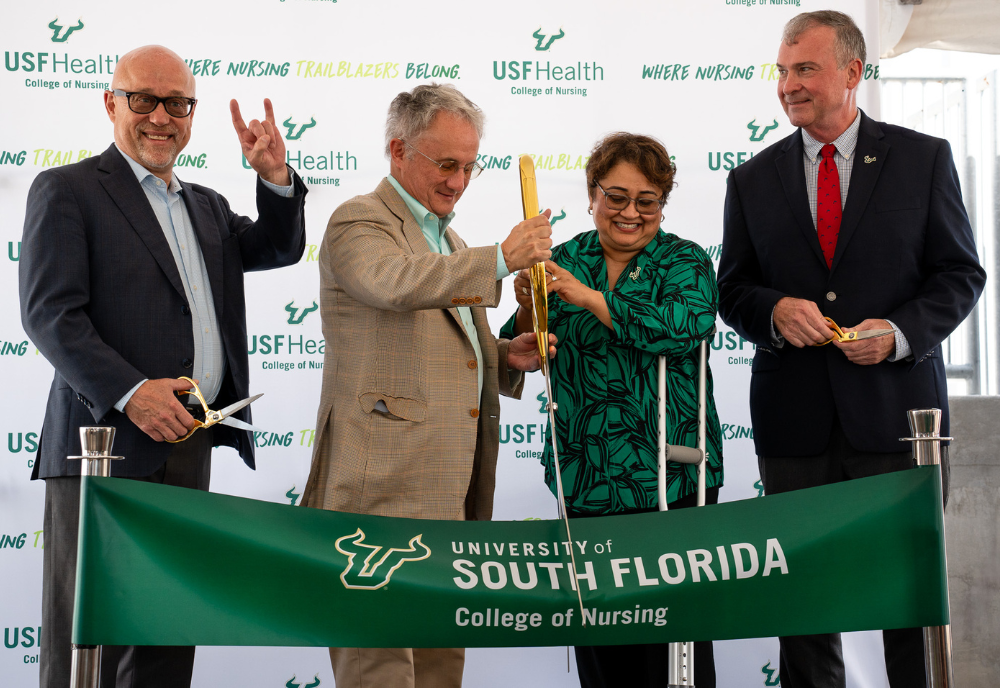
[153, 139]
[136, 63]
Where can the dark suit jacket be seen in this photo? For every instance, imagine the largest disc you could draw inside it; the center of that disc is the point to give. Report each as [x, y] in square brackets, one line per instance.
[102, 299]
[905, 253]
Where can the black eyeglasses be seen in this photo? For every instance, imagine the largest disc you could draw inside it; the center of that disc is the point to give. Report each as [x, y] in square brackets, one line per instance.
[643, 206]
[450, 167]
[145, 103]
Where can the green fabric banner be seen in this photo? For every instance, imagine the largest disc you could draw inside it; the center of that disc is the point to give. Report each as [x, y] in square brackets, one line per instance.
[168, 566]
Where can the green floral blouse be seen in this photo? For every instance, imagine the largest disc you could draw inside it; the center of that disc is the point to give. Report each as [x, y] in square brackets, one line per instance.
[605, 382]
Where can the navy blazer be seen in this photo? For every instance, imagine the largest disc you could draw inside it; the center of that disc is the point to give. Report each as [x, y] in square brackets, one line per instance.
[102, 299]
[905, 253]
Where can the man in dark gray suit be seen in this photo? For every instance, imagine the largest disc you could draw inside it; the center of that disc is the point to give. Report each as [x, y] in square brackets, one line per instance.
[129, 279]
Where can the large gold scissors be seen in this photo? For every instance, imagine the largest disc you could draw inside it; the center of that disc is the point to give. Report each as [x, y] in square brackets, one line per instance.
[213, 417]
[851, 336]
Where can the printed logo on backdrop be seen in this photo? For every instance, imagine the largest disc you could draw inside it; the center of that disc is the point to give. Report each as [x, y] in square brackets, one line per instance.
[295, 131]
[292, 495]
[742, 349]
[65, 31]
[44, 62]
[550, 79]
[771, 677]
[297, 315]
[283, 352]
[375, 572]
[290, 683]
[545, 41]
[23, 441]
[22, 636]
[759, 486]
[758, 132]
[727, 160]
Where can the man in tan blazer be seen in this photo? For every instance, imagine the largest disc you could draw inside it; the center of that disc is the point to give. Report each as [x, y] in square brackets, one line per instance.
[408, 421]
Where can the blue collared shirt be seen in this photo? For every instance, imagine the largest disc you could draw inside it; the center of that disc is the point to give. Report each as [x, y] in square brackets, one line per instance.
[433, 228]
[171, 212]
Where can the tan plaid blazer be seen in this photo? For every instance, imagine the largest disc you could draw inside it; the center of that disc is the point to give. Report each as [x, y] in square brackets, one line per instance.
[393, 334]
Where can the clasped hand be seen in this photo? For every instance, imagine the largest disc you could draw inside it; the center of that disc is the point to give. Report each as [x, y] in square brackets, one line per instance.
[801, 323]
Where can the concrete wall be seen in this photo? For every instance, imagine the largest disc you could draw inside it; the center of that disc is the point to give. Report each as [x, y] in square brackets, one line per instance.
[972, 524]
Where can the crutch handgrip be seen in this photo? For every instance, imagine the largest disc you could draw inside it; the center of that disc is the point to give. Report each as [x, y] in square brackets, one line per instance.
[682, 454]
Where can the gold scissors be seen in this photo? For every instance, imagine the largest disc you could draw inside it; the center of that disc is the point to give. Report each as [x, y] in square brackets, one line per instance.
[851, 336]
[213, 417]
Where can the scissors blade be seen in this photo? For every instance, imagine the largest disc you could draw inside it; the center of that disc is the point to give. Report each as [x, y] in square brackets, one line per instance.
[868, 334]
[233, 408]
[240, 425]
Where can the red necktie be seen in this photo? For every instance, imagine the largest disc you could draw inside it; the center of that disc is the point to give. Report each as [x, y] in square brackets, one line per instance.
[828, 203]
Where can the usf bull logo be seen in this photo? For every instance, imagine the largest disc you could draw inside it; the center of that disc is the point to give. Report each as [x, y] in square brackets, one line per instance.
[545, 40]
[295, 134]
[758, 131]
[297, 315]
[291, 683]
[771, 677]
[375, 571]
[57, 28]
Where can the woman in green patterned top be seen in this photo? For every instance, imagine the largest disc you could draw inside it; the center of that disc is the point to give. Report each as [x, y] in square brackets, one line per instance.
[628, 292]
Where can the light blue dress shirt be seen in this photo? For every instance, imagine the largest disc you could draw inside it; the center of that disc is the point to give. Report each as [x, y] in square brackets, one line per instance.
[171, 212]
[433, 228]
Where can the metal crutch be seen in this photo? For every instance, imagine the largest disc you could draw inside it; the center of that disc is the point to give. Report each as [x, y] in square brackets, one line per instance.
[680, 656]
[95, 443]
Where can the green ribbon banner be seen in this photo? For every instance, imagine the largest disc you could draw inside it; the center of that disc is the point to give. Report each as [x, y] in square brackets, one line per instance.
[169, 566]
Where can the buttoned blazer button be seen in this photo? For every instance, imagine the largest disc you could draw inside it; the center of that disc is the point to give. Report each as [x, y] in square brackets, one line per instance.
[187, 363]
[831, 296]
[185, 310]
[474, 413]
[478, 299]
[454, 300]
[473, 364]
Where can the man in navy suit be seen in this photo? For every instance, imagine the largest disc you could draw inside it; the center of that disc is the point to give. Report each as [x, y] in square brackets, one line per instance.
[861, 222]
[129, 279]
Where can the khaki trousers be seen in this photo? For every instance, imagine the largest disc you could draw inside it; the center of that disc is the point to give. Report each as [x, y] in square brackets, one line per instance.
[363, 667]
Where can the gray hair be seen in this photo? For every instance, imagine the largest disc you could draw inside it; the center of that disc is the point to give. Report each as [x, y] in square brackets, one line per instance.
[411, 113]
[850, 42]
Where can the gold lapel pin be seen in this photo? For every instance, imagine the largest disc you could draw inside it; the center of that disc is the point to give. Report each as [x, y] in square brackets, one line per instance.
[635, 273]
[869, 158]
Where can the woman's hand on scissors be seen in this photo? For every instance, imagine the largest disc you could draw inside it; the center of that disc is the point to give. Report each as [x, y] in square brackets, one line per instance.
[156, 410]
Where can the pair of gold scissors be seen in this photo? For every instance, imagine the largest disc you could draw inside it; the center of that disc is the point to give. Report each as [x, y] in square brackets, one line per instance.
[851, 336]
[213, 417]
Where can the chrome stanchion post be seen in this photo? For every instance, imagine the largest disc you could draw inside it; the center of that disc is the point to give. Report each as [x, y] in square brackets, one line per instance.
[925, 426]
[95, 443]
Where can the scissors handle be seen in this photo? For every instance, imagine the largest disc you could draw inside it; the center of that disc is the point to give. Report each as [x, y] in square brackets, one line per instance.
[204, 405]
[841, 335]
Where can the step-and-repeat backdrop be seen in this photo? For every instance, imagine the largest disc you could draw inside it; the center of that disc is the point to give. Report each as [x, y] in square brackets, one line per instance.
[552, 77]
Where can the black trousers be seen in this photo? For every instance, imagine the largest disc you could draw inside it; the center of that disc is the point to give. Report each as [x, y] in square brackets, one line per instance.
[641, 666]
[817, 661]
[188, 465]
